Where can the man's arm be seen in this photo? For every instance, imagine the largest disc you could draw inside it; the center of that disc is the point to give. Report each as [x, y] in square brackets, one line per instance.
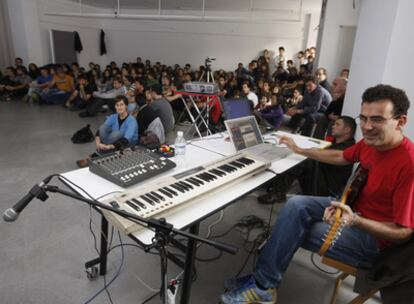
[333, 157]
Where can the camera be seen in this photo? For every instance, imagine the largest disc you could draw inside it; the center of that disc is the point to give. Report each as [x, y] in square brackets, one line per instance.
[209, 60]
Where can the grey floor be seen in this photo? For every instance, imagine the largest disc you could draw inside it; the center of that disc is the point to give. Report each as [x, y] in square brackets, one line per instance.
[42, 254]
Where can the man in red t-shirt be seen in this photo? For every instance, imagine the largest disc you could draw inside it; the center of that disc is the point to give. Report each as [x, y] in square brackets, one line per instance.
[382, 216]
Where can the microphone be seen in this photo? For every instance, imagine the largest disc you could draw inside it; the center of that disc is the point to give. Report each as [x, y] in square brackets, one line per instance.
[11, 214]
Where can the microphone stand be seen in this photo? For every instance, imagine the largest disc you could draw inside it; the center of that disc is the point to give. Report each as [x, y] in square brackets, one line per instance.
[163, 231]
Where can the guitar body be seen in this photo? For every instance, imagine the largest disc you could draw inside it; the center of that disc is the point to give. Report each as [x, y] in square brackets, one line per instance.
[349, 195]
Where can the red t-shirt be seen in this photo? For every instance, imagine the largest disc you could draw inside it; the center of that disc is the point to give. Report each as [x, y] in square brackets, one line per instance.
[388, 195]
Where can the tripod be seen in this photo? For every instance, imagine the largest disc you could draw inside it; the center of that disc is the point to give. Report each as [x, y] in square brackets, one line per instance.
[207, 71]
[163, 230]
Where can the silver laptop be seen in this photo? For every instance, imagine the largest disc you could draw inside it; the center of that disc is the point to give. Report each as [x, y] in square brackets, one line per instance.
[246, 136]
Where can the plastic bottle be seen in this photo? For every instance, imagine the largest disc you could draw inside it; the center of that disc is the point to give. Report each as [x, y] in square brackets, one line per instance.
[180, 143]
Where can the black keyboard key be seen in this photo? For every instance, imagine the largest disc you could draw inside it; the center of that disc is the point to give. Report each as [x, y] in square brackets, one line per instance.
[171, 191]
[245, 160]
[153, 198]
[166, 193]
[217, 172]
[225, 168]
[189, 180]
[208, 177]
[133, 206]
[157, 195]
[186, 184]
[202, 177]
[236, 164]
[147, 200]
[139, 203]
[197, 180]
[178, 187]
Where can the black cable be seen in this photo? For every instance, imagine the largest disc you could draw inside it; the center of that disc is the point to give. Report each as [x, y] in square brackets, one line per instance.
[319, 268]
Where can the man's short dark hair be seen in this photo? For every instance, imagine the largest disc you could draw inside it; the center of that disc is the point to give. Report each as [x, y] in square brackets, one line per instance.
[82, 76]
[350, 123]
[281, 48]
[311, 79]
[121, 98]
[139, 80]
[398, 97]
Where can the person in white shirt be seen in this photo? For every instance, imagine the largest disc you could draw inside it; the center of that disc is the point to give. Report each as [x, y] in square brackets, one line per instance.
[250, 95]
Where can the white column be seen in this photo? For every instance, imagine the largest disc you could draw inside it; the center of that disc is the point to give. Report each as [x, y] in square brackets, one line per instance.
[382, 52]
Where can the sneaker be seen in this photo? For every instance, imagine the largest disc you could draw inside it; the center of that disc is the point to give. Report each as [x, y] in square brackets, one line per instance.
[82, 163]
[271, 198]
[249, 293]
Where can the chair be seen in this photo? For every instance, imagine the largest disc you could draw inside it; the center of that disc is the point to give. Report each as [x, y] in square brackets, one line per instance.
[346, 270]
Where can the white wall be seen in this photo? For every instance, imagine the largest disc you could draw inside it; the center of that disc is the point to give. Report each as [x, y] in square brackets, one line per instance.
[382, 51]
[338, 13]
[181, 42]
[167, 41]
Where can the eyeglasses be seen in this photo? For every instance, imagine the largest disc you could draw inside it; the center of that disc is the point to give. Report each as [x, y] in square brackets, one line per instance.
[374, 120]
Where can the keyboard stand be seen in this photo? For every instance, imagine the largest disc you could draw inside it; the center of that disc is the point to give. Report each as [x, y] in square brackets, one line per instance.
[201, 120]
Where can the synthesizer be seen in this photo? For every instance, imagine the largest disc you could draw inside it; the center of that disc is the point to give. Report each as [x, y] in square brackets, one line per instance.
[167, 195]
[130, 166]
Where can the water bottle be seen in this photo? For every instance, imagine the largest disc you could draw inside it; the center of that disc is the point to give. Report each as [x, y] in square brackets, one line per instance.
[180, 143]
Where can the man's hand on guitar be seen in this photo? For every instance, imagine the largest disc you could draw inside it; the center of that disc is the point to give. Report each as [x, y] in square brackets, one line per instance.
[348, 216]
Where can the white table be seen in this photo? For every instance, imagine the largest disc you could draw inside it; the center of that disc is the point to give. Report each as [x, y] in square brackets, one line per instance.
[198, 153]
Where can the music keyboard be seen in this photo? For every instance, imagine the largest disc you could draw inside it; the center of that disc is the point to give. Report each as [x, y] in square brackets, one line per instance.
[167, 195]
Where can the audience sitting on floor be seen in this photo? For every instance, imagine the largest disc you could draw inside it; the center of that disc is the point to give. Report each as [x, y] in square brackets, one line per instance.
[59, 89]
[315, 102]
[272, 112]
[96, 89]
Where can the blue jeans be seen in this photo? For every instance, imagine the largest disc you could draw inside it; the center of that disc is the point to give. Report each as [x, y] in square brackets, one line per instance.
[55, 96]
[300, 224]
[108, 136]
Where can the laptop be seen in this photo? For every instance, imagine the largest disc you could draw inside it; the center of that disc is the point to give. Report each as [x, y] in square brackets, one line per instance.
[236, 108]
[246, 136]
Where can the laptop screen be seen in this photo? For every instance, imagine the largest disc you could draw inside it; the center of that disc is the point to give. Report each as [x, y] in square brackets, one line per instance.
[236, 108]
[244, 132]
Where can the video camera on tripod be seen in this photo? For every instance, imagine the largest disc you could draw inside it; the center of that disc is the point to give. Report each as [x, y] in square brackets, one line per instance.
[209, 60]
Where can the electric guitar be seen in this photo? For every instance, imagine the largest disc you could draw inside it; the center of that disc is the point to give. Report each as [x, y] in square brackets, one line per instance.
[350, 193]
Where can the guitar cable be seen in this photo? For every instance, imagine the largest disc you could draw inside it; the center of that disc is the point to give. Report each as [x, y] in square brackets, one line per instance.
[312, 258]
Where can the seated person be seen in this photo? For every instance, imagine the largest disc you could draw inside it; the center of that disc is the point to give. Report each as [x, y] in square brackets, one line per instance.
[314, 103]
[17, 86]
[82, 95]
[380, 217]
[38, 84]
[272, 112]
[119, 131]
[59, 89]
[334, 109]
[317, 178]
[162, 107]
[105, 98]
[149, 122]
[250, 95]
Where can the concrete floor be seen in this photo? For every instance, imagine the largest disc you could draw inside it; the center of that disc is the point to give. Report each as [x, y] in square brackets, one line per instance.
[42, 254]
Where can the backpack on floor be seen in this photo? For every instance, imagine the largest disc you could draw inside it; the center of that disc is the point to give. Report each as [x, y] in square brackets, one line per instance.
[83, 135]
